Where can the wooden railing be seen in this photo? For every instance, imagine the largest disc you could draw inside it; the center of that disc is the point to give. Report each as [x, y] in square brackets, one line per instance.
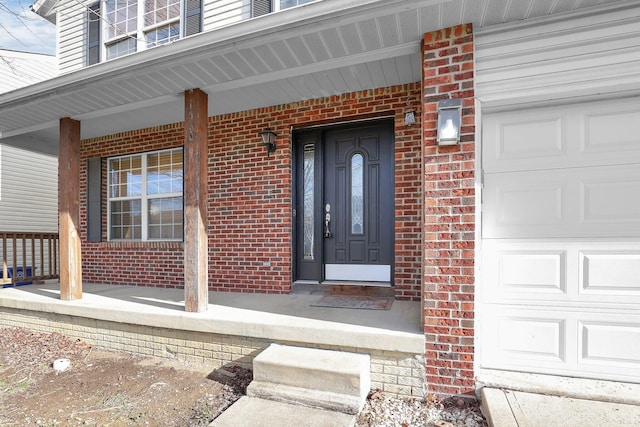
[28, 257]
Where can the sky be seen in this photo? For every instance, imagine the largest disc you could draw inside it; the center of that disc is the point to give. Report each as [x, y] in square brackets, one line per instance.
[29, 34]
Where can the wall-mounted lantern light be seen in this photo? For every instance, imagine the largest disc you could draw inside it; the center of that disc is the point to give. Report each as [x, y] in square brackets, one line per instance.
[409, 118]
[410, 112]
[449, 120]
[269, 140]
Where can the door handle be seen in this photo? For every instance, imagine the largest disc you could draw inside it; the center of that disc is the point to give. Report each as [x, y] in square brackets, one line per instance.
[327, 221]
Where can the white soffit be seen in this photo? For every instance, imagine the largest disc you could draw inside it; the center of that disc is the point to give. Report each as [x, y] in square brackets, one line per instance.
[325, 48]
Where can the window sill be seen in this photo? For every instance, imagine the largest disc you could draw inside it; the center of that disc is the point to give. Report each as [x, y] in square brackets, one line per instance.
[143, 245]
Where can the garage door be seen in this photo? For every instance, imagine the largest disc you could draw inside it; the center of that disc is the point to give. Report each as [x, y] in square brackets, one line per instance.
[560, 269]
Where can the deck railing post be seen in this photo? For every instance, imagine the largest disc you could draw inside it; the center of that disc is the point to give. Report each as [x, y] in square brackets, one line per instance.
[19, 265]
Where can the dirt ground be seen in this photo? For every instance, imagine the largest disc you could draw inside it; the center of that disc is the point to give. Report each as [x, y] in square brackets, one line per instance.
[105, 388]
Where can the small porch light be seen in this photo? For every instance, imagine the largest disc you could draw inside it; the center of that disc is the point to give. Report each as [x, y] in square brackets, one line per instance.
[410, 112]
[409, 118]
[449, 120]
[269, 140]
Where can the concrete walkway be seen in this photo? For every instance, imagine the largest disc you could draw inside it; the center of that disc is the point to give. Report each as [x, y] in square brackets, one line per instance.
[507, 408]
[255, 412]
[503, 408]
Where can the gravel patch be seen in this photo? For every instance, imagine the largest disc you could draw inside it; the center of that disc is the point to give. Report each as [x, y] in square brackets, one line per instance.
[385, 411]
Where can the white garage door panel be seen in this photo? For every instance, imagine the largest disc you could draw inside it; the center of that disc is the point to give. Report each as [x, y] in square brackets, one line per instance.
[524, 204]
[572, 273]
[601, 133]
[610, 344]
[610, 272]
[567, 342]
[511, 141]
[533, 271]
[523, 337]
[524, 271]
[611, 197]
[542, 136]
[532, 338]
[577, 202]
[612, 130]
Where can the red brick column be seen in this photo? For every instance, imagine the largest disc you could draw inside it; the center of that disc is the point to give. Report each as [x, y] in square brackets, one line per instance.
[449, 215]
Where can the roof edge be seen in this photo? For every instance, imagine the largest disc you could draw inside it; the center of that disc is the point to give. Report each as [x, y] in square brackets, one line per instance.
[46, 9]
[227, 37]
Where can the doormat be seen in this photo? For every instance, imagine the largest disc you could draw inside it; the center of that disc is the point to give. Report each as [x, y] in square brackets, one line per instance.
[357, 302]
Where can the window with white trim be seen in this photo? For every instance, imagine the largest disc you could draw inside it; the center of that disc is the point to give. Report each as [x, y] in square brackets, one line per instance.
[132, 25]
[119, 27]
[285, 4]
[144, 194]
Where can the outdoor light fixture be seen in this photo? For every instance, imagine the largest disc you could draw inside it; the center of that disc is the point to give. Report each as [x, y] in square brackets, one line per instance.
[449, 120]
[409, 112]
[409, 118]
[269, 140]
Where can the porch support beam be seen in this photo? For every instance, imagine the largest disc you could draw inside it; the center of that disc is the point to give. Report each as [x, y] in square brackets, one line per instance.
[69, 209]
[196, 289]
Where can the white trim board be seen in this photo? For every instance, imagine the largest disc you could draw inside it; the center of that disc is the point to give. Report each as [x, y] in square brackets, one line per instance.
[359, 272]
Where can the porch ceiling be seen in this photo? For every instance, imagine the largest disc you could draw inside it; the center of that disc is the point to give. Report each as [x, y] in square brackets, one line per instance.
[323, 48]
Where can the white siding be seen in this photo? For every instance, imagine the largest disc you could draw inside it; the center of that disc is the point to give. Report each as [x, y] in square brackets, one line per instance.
[594, 55]
[19, 69]
[71, 19]
[28, 191]
[218, 13]
[28, 203]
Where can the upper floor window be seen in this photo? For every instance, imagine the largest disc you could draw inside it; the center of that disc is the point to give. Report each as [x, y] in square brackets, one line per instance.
[263, 7]
[120, 27]
[285, 4]
[132, 25]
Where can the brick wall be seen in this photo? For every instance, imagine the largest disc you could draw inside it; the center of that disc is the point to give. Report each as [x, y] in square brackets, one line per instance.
[249, 207]
[449, 221]
[159, 264]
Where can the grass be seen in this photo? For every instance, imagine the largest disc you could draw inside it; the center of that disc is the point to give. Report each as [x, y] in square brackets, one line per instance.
[115, 401]
[13, 388]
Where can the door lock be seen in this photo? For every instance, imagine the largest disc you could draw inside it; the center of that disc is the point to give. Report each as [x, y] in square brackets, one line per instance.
[327, 221]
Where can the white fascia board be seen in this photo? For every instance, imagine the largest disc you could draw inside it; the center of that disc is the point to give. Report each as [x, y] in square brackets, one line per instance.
[34, 128]
[46, 9]
[590, 16]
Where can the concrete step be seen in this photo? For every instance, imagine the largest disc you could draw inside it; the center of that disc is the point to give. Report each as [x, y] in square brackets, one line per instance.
[255, 412]
[328, 379]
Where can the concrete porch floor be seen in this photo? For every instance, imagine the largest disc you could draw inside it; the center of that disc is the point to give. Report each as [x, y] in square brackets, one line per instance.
[269, 317]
